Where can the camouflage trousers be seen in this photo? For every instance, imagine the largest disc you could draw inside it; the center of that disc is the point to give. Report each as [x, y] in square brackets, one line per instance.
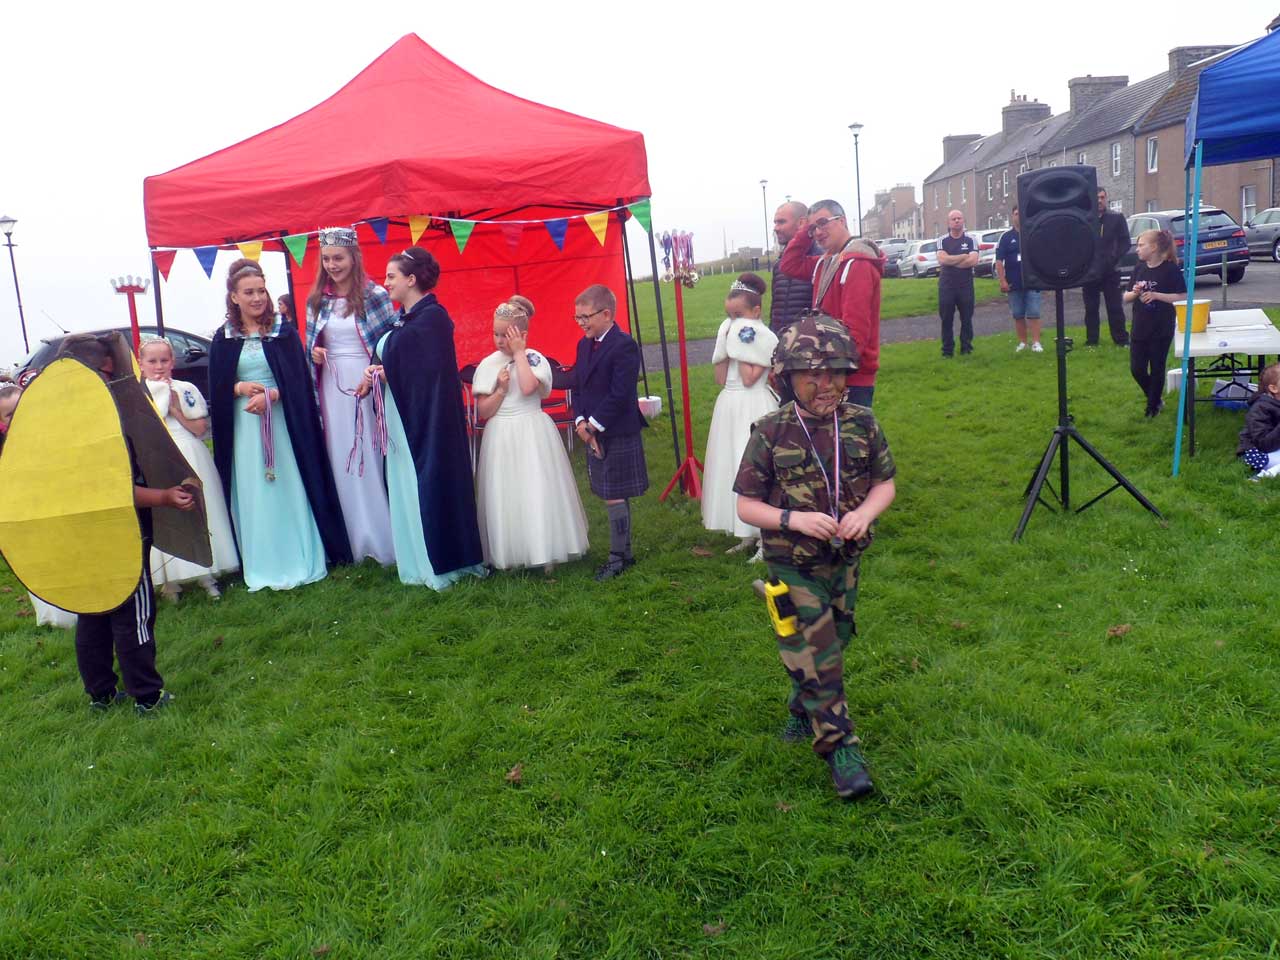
[824, 598]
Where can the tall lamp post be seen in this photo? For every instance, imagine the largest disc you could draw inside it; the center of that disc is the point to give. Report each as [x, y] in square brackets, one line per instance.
[764, 198]
[7, 224]
[856, 128]
[131, 287]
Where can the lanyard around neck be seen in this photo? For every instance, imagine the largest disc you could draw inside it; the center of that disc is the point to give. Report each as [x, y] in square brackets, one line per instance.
[833, 495]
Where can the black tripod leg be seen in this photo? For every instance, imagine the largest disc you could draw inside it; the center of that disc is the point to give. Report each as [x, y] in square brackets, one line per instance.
[1116, 475]
[1033, 490]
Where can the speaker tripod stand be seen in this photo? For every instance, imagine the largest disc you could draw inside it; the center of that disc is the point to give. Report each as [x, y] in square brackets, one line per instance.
[1059, 444]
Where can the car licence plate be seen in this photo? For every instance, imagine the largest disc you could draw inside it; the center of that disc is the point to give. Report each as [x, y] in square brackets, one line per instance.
[1215, 245]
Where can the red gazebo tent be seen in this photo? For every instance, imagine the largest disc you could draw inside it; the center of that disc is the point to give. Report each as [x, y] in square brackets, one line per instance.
[414, 136]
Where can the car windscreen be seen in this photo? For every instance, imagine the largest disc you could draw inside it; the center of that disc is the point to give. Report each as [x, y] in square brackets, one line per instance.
[1209, 220]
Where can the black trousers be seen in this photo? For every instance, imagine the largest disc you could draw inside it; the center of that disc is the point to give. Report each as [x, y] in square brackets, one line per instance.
[949, 299]
[1108, 288]
[129, 632]
[1148, 357]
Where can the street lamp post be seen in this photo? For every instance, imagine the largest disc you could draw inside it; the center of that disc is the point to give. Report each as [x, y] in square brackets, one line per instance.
[7, 224]
[764, 198]
[857, 171]
[131, 287]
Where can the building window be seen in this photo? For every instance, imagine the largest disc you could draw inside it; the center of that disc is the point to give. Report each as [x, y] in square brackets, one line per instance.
[988, 186]
[1116, 205]
[1004, 181]
[964, 191]
[990, 222]
[935, 198]
[1153, 206]
[1080, 158]
[1153, 154]
[948, 195]
[1115, 159]
[1248, 203]
[1022, 168]
[1053, 163]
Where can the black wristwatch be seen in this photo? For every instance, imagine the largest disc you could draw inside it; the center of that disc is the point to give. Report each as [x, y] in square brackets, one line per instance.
[784, 521]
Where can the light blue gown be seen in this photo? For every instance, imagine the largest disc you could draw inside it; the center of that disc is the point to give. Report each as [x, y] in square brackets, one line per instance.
[412, 562]
[280, 545]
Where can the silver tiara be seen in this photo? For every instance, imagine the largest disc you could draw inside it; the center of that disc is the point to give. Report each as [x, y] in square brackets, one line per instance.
[338, 237]
[510, 311]
[739, 287]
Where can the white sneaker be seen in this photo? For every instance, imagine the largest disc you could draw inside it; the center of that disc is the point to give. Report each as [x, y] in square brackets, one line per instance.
[1036, 348]
[1021, 347]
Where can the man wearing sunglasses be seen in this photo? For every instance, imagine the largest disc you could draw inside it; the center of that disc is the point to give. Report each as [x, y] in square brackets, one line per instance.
[846, 286]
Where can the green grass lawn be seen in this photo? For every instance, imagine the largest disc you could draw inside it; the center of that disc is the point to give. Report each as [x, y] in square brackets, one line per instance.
[1076, 738]
[704, 304]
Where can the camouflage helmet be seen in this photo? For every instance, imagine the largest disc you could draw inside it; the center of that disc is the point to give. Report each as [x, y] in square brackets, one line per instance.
[815, 342]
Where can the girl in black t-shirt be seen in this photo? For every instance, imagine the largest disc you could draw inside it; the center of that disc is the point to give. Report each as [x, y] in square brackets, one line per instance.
[1157, 283]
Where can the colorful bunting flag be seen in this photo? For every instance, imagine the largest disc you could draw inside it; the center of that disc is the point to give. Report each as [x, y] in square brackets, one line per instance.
[513, 232]
[417, 225]
[163, 260]
[641, 211]
[251, 251]
[461, 232]
[206, 256]
[599, 224]
[557, 229]
[297, 246]
[379, 226]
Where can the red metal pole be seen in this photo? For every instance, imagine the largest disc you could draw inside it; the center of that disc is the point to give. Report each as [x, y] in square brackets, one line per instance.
[133, 319]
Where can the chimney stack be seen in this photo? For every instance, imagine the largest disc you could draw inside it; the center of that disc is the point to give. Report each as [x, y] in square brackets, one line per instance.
[952, 145]
[1019, 112]
[1088, 91]
[1182, 57]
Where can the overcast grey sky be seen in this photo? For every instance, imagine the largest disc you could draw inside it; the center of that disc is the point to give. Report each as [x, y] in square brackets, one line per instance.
[94, 97]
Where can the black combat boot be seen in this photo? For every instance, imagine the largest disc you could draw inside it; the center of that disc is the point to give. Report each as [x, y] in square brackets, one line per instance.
[849, 772]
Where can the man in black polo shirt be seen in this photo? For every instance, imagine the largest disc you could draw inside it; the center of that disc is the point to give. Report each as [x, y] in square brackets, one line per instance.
[957, 256]
[1113, 243]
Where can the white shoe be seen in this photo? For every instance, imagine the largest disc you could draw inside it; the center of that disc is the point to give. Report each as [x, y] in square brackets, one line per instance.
[758, 556]
[1036, 348]
[1021, 347]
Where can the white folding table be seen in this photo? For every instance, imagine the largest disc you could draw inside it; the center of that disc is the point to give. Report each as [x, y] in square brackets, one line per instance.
[1238, 341]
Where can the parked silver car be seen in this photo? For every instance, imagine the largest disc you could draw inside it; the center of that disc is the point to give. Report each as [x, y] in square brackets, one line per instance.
[1262, 233]
[920, 260]
[986, 241]
[893, 248]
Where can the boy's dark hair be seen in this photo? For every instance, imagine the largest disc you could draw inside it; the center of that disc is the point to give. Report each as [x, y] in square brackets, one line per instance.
[90, 350]
[1270, 377]
[598, 297]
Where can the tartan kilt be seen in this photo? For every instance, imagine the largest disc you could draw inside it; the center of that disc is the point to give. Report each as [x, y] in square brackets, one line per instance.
[622, 473]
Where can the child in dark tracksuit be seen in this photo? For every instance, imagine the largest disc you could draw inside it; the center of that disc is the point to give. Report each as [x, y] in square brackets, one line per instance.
[1260, 438]
[129, 629]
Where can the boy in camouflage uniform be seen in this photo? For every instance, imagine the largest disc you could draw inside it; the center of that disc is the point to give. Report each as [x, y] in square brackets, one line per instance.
[814, 502]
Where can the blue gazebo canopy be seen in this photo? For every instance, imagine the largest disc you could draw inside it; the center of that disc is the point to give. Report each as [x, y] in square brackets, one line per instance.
[1236, 112]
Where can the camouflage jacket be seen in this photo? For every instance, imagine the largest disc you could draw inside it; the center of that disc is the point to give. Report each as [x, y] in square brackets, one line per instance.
[779, 468]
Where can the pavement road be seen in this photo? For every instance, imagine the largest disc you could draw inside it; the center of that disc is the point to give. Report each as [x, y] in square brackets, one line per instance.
[1259, 288]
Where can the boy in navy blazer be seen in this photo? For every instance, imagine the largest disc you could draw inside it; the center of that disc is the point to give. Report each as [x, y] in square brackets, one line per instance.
[608, 419]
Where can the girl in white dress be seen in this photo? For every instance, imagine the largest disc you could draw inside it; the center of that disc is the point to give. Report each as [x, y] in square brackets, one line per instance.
[347, 314]
[187, 416]
[743, 354]
[527, 500]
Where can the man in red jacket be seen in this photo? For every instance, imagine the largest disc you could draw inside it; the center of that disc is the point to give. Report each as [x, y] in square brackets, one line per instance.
[846, 286]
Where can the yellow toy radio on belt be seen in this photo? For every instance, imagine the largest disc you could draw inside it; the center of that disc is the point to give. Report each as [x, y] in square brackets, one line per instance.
[777, 599]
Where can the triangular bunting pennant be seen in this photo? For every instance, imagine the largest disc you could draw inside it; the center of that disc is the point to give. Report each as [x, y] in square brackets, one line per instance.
[163, 259]
[417, 225]
[461, 232]
[206, 256]
[599, 224]
[251, 251]
[557, 229]
[297, 247]
[641, 211]
[379, 226]
[513, 232]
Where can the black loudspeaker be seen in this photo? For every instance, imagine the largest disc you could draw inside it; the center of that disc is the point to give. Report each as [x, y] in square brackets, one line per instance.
[1058, 207]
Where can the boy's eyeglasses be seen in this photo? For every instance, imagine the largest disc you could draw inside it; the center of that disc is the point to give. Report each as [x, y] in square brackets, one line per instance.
[820, 223]
[584, 317]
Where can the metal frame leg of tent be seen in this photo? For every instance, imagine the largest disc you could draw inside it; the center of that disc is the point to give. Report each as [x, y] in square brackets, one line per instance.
[631, 293]
[1189, 281]
[662, 336]
[155, 289]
